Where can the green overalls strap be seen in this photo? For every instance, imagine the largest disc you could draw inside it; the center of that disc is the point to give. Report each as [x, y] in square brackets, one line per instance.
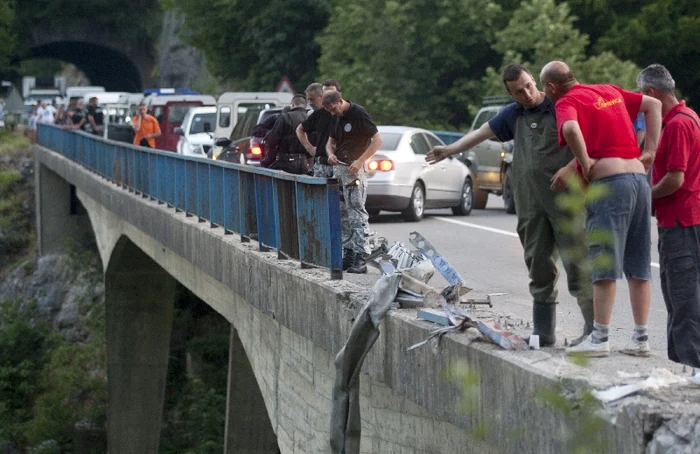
[537, 156]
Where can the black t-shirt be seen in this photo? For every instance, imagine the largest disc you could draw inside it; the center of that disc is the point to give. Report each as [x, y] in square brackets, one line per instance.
[77, 115]
[353, 133]
[318, 127]
[97, 114]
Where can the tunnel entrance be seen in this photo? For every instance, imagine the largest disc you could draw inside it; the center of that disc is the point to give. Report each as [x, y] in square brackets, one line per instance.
[102, 65]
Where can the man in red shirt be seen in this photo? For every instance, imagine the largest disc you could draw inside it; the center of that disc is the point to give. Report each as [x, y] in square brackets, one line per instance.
[595, 121]
[676, 197]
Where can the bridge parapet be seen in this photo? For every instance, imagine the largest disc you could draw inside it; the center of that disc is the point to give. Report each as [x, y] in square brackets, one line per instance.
[297, 215]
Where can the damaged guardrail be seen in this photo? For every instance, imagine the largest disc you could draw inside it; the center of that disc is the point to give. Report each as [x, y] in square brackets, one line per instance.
[297, 215]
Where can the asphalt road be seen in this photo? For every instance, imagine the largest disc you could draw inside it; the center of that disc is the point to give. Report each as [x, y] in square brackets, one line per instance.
[485, 250]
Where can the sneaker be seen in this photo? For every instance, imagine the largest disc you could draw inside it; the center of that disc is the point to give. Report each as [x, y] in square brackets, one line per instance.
[636, 348]
[589, 349]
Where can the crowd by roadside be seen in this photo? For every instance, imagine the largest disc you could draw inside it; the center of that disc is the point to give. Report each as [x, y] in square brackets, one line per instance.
[74, 116]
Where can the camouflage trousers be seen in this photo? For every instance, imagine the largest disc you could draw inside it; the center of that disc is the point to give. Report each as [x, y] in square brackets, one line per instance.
[353, 215]
[322, 170]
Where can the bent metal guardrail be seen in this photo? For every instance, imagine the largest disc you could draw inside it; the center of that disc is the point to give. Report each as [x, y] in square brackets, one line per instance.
[297, 215]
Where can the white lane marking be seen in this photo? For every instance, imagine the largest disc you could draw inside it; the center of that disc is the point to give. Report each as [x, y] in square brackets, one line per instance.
[491, 229]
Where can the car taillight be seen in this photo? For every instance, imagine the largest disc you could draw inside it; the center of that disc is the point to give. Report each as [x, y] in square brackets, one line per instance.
[256, 150]
[384, 165]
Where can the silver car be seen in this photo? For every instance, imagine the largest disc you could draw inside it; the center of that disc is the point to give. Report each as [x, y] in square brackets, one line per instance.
[399, 179]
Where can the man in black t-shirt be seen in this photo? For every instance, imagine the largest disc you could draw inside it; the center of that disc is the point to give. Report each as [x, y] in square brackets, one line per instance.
[314, 132]
[353, 141]
[95, 117]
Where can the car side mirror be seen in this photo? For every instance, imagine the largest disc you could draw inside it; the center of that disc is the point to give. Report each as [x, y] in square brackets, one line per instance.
[223, 142]
[179, 131]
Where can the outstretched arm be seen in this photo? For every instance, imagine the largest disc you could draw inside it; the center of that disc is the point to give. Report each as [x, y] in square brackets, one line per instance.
[469, 141]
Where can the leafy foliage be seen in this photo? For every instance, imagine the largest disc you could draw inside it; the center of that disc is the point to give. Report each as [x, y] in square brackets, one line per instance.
[25, 349]
[256, 43]
[648, 31]
[410, 62]
[541, 31]
[8, 37]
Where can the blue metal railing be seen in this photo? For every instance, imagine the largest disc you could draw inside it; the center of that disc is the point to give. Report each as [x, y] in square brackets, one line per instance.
[297, 215]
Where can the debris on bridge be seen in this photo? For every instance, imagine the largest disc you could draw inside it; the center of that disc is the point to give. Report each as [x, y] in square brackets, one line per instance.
[659, 378]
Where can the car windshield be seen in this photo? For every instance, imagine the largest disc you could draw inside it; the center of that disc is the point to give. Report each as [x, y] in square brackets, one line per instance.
[390, 141]
[177, 112]
[245, 124]
[200, 120]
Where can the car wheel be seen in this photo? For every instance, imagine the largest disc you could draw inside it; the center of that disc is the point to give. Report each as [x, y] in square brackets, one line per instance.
[416, 207]
[480, 197]
[508, 199]
[466, 201]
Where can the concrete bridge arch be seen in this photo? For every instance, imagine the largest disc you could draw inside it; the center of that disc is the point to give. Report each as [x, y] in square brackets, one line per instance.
[106, 56]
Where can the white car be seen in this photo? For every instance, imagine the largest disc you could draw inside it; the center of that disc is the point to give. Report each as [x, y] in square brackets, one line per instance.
[197, 132]
[399, 178]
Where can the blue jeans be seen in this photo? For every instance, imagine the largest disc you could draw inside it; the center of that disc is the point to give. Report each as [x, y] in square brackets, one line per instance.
[619, 228]
[679, 254]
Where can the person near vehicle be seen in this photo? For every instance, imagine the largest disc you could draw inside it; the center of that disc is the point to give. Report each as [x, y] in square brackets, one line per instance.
[146, 127]
[352, 142]
[95, 117]
[537, 157]
[283, 151]
[76, 119]
[675, 195]
[594, 120]
[261, 129]
[61, 116]
[315, 130]
[31, 123]
[46, 113]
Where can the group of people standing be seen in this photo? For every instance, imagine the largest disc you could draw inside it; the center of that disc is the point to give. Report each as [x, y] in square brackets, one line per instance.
[571, 128]
[334, 141]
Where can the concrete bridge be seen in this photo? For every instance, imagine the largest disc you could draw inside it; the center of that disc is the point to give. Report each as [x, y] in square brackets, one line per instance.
[288, 322]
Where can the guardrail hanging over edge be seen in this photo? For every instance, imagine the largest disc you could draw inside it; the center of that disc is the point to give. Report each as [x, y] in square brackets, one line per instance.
[297, 215]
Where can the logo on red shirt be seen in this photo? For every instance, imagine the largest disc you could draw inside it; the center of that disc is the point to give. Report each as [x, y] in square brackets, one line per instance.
[602, 104]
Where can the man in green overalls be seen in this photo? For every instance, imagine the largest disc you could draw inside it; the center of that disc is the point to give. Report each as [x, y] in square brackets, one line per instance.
[539, 166]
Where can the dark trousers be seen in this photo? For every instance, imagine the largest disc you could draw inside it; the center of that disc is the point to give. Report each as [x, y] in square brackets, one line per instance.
[679, 254]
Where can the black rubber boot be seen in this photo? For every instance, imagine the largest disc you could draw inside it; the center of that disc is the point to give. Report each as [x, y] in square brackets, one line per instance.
[348, 257]
[587, 312]
[544, 317]
[358, 265]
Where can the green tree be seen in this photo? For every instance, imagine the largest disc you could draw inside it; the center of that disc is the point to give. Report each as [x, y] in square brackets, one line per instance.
[411, 62]
[8, 37]
[256, 43]
[648, 31]
[541, 31]
[25, 346]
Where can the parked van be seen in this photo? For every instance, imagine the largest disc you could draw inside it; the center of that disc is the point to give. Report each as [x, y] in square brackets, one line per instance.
[170, 110]
[232, 105]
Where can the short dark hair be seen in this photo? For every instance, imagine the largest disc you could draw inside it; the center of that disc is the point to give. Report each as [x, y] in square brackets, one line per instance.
[332, 83]
[298, 101]
[512, 72]
[331, 97]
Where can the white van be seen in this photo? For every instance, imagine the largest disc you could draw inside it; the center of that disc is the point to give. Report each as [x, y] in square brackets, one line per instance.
[75, 93]
[232, 105]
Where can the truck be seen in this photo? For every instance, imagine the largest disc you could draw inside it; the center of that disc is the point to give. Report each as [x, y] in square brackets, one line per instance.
[35, 89]
[490, 161]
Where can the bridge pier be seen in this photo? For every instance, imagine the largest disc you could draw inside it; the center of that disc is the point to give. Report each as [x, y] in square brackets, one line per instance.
[58, 210]
[139, 299]
[248, 428]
